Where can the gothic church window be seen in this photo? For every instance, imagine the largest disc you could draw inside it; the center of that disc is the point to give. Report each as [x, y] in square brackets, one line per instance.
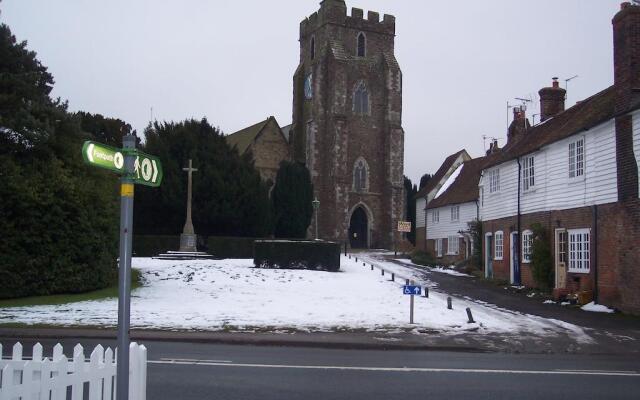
[361, 99]
[360, 176]
[313, 47]
[362, 45]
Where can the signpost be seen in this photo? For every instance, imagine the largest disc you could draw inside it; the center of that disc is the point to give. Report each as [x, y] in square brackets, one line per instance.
[147, 169]
[135, 168]
[411, 290]
[403, 226]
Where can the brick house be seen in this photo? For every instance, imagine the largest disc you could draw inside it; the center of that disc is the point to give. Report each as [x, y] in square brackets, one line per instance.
[448, 215]
[576, 173]
[428, 192]
[347, 125]
[267, 143]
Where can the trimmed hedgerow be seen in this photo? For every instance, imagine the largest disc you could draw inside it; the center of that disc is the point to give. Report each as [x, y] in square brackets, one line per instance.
[297, 254]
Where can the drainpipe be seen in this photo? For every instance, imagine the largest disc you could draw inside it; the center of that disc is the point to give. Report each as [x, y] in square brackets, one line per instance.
[595, 252]
[425, 224]
[516, 264]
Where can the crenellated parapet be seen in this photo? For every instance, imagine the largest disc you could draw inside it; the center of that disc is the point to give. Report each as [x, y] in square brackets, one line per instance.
[335, 12]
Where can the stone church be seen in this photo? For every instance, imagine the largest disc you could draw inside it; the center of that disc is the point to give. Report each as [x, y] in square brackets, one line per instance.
[347, 124]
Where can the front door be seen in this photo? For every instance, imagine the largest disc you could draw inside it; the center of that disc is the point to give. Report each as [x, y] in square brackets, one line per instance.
[488, 272]
[513, 256]
[358, 229]
[561, 259]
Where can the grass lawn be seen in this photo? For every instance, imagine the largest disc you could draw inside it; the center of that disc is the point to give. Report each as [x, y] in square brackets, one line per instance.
[111, 291]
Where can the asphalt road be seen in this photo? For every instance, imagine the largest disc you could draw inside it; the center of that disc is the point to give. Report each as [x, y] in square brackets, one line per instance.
[178, 370]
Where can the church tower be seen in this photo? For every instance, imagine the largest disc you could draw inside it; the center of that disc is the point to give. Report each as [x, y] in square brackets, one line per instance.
[347, 114]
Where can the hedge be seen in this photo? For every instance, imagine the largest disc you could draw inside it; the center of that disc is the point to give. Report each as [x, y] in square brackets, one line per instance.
[297, 254]
[219, 246]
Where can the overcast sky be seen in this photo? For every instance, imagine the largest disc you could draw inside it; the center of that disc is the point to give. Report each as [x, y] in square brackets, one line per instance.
[233, 61]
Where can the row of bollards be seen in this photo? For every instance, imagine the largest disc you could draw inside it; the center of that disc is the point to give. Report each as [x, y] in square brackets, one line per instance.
[426, 291]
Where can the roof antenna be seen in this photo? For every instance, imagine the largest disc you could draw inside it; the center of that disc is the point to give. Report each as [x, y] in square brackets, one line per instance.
[566, 85]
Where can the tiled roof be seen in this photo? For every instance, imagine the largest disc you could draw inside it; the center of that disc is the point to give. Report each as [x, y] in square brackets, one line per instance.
[465, 188]
[437, 177]
[244, 137]
[582, 116]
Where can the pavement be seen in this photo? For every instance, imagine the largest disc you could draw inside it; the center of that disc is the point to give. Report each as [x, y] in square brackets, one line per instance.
[612, 333]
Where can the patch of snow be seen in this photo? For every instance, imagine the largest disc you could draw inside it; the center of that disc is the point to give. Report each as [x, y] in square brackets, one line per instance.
[452, 178]
[565, 303]
[549, 302]
[518, 287]
[597, 308]
[232, 294]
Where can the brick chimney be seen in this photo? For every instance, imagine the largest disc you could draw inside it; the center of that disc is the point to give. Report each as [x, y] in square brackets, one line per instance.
[519, 126]
[493, 147]
[626, 55]
[551, 100]
[626, 73]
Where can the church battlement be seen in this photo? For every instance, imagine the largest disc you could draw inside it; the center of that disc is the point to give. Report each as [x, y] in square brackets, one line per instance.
[335, 12]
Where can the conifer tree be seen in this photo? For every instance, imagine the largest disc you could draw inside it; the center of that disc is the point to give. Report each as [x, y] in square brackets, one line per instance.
[292, 200]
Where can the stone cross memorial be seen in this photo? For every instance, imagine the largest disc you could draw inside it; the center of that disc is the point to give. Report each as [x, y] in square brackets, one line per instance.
[188, 237]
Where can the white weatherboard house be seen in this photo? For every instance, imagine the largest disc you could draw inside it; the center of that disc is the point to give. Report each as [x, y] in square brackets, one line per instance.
[454, 206]
[429, 191]
[575, 176]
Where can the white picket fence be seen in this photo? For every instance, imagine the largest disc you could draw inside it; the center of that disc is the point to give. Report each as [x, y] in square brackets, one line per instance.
[60, 378]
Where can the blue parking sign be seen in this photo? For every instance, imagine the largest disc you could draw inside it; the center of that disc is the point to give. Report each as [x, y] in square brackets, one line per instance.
[412, 290]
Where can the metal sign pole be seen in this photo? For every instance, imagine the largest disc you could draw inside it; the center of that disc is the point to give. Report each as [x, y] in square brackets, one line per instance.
[124, 273]
[411, 308]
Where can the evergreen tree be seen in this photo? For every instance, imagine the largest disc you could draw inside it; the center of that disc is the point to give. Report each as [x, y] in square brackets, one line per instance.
[410, 193]
[424, 179]
[58, 217]
[229, 198]
[105, 130]
[292, 200]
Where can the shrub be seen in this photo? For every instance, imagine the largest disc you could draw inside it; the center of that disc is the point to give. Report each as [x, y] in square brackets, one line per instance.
[541, 260]
[475, 230]
[423, 258]
[297, 254]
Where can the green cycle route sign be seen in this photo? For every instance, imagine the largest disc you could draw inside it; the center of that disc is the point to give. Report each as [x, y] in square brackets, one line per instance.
[147, 169]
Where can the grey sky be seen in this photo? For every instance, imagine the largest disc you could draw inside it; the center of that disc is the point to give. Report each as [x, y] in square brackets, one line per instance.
[233, 61]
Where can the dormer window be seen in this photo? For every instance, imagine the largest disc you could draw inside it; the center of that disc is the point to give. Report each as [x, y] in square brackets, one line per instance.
[312, 51]
[362, 45]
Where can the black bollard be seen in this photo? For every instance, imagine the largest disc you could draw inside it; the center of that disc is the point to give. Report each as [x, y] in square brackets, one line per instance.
[407, 282]
[382, 272]
[471, 321]
[449, 303]
[426, 292]
[345, 248]
[371, 266]
[393, 277]
[356, 259]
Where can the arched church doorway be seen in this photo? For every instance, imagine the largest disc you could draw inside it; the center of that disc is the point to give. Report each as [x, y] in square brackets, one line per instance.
[359, 229]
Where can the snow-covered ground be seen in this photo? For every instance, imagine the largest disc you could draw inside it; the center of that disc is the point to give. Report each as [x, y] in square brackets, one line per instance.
[231, 294]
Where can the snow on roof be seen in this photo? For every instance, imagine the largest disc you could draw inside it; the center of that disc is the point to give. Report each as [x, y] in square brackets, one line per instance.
[449, 181]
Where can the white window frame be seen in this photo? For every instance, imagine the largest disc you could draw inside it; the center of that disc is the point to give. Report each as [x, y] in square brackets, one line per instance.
[527, 246]
[528, 173]
[577, 158]
[455, 213]
[494, 180]
[498, 243]
[435, 216]
[579, 250]
[438, 246]
[453, 250]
